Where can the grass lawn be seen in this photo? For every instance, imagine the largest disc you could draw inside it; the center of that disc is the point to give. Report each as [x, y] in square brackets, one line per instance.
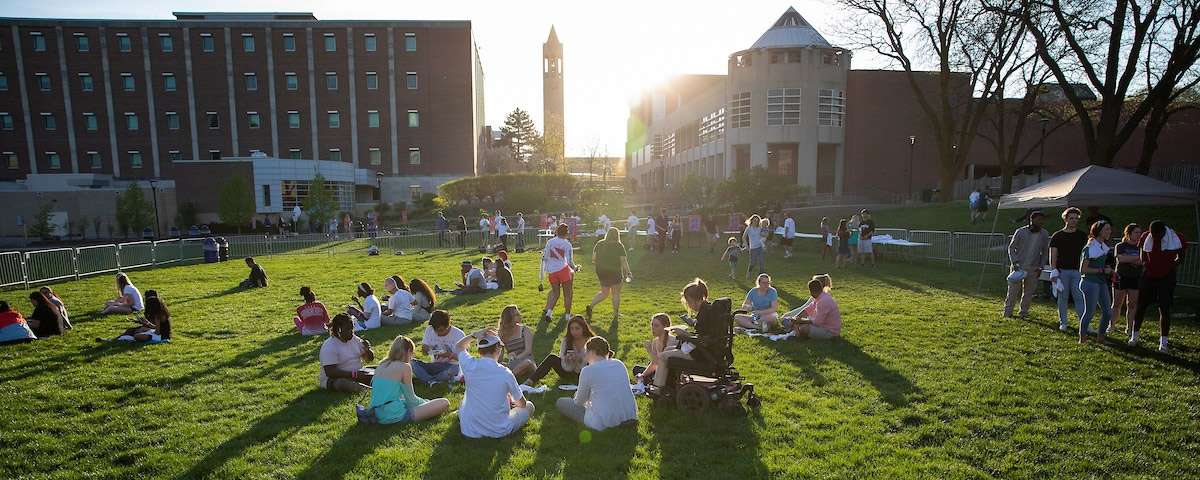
[928, 382]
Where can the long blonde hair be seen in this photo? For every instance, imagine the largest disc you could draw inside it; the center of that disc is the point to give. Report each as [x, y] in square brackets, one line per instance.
[825, 280]
[400, 346]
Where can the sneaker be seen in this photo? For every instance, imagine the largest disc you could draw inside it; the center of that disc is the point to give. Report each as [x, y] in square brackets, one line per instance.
[731, 277]
[735, 330]
[589, 314]
[566, 317]
[546, 317]
[433, 382]
[438, 289]
[1133, 341]
[1062, 327]
[1005, 315]
[1111, 329]
[1162, 346]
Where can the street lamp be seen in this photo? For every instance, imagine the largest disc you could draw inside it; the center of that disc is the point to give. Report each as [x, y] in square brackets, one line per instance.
[1042, 149]
[379, 185]
[154, 193]
[912, 147]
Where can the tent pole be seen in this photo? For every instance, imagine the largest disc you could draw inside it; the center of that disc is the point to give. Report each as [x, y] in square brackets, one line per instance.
[987, 255]
[1198, 220]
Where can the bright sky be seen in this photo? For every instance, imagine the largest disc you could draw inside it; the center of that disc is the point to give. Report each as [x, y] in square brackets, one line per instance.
[612, 50]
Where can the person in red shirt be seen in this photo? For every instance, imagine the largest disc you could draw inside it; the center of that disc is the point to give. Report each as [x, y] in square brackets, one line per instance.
[311, 318]
[13, 328]
[1162, 249]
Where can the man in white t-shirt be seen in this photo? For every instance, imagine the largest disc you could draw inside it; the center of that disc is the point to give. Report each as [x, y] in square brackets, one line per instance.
[520, 232]
[496, 225]
[651, 232]
[438, 342]
[485, 226]
[559, 266]
[492, 406]
[789, 233]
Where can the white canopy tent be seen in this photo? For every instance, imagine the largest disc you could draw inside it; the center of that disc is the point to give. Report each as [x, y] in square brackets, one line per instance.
[1096, 186]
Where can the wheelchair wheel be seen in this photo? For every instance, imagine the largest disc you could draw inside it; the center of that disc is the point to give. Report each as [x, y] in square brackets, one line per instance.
[753, 401]
[692, 398]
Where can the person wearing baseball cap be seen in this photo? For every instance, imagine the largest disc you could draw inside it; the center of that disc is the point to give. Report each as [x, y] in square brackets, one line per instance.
[492, 406]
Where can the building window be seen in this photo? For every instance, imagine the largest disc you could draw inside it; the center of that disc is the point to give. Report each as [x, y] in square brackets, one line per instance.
[712, 126]
[48, 121]
[206, 42]
[252, 119]
[783, 106]
[293, 119]
[335, 154]
[414, 156]
[214, 154]
[330, 42]
[127, 82]
[131, 121]
[289, 42]
[174, 155]
[414, 192]
[89, 121]
[172, 121]
[410, 42]
[743, 60]
[124, 42]
[372, 81]
[247, 42]
[294, 153]
[373, 118]
[85, 82]
[376, 157]
[831, 58]
[3, 82]
[39, 42]
[334, 120]
[53, 160]
[785, 56]
[331, 80]
[831, 107]
[93, 160]
[214, 120]
[266, 195]
[414, 118]
[135, 159]
[412, 80]
[169, 82]
[81, 42]
[6, 121]
[12, 160]
[251, 81]
[369, 42]
[739, 110]
[291, 81]
[165, 42]
[43, 82]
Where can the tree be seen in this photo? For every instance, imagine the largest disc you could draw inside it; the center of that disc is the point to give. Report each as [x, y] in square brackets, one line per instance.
[699, 191]
[1113, 48]
[96, 226]
[187, 215]
[41, 222]
[320, 203]
[134, 211]
[747, 189]
[498, 160]
[235, 202]
[519, 135]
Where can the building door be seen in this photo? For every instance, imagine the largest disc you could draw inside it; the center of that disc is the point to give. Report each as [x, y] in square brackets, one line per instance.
[826, 167]
[781, 160]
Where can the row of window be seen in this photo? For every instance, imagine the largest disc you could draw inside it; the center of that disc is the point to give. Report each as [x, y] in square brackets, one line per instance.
[94, 161]
[166, 42]
[253, 120]
[290, 79]
[783, 107]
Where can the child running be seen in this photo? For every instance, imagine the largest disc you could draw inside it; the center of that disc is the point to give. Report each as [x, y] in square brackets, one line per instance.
[731, 254]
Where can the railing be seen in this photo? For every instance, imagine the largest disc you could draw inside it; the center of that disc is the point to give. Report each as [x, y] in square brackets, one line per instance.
[12, 269]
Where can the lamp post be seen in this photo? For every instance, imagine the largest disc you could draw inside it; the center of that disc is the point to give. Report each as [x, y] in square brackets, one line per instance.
[912, 147]
[379, 185]
[1042, 149]
[154, 193]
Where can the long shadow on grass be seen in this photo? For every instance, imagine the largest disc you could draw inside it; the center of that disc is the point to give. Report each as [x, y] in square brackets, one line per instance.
[356, 443]
[239, 363]
[55, 364]
[303, 410]
[707, 445]
[892, 386]
[456, 456]
[574, 451]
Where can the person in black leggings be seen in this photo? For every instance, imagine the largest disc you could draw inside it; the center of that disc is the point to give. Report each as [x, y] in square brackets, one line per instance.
[570, 359]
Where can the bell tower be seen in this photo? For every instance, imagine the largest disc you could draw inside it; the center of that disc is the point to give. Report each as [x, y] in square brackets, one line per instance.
[552, 92]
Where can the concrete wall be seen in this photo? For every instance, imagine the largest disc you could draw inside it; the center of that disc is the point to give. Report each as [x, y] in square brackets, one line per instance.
[82, 204]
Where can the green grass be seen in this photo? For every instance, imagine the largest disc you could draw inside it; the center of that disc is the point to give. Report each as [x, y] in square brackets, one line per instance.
[927, 382]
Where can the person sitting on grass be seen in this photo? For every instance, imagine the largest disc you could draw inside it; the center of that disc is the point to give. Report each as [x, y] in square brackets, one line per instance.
[518, 341]
[129, 299]
[311, 318]
[423, 298]
[257, 278]
[492, 406]
[497, 275]
[368, 313]
[13, 328]
[392, 394]
[473, 281]
[823, 319]
[342, 357]
[604, 399]
[438, 342]
[62, 307]
[763, 304]
[569, 361]
[45, 319]
[503, 257]
[659, 324]
[399, 304]
[155, 327]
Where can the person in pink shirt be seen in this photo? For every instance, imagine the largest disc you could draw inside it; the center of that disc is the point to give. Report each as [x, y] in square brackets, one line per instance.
[311, 318]
[824, 318]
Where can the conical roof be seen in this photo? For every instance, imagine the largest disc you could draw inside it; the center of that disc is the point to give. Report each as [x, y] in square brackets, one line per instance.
[553, 38]
[791, 30]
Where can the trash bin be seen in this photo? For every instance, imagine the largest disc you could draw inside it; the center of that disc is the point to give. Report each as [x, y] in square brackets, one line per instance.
[204, 230]
[210, 250]
[194, 231]
[222, 249]
[174, 232]
[147, 234]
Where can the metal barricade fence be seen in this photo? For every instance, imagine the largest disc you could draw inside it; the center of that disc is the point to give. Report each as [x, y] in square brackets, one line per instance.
[979, 248]
[167, 251]
[97, 259]
[1188, 274]
[136, 254]
[12, 269]
[191, 249]
[50, 265]
[939, 244]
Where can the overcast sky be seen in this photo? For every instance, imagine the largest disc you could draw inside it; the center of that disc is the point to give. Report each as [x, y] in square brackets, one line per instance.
[611, 49]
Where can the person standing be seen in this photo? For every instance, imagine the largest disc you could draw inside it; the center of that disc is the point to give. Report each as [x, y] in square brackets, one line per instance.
[1129, 272]
[843, 239]
[855, 222]
[611, 265]
[661, 225]
[789, 234]
[1162, 250]
[1094, 216]
[557, 261]
[1027, 253]
[442, 225]
[752, 239]
[1096, 272]
[866, 230]
[462, 231]
[520, 232]
[1066, 246]
[973, 204]
[827, 240]
[633, 224]
[651, 232]
[485, 227]
[711, 231]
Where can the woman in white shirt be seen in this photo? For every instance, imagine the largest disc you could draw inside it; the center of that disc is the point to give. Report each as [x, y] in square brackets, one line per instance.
[129, 301]
[604, 399]
[423, 299]
[752, 238]
[369, 313]
[399, 309]
[502, 232]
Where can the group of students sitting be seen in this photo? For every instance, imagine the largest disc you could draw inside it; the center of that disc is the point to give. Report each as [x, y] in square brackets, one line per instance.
[405, 303]
[491, 275]
[818, 318]
[49, 318]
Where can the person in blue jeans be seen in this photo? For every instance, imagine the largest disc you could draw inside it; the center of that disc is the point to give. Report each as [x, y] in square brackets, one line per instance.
[752, 239]
[1066, 246]
[1094, 284]
[438, 342]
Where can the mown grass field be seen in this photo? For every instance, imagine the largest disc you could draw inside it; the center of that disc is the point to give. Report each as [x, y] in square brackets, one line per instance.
[928, 382]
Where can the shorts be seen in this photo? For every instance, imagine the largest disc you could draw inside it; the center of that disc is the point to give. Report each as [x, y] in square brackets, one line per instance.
[608, 277]
[787, 242]
[562, 276]
[864, 246]
[1127, 283]
[820, 333]
[733, 263]
[1161, 290]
